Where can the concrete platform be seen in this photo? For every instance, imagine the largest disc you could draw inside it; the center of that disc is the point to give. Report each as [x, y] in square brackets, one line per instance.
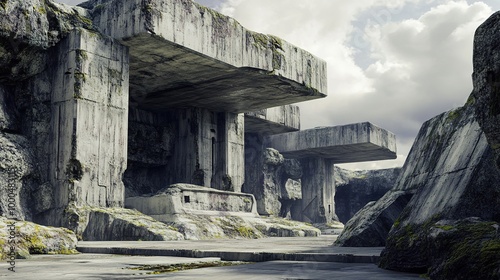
[184, 54]
[251, 250]
[341, 144]
[274, 120]
[98, 266]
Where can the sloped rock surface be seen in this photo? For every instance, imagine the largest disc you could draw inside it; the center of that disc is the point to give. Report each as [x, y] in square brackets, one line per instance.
[119, 224]
[31, 238]
[198, 227]
[486, 80]
[354, 189]
[370, 226]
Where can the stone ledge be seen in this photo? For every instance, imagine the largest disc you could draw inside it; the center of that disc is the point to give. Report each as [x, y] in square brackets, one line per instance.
[343, 144]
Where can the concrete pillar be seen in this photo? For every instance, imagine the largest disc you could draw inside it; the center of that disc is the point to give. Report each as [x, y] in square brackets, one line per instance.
[89, 120]
[318, 191]
[229, 172]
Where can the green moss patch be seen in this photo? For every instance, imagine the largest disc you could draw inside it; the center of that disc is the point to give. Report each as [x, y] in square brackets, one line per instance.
[158, 269]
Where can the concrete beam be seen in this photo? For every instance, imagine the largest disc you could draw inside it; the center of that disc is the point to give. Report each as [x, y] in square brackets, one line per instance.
[273, 120]
[342, 144]
[183, 54]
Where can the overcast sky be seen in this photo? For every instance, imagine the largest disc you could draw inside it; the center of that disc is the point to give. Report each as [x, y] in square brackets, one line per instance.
[395, 63]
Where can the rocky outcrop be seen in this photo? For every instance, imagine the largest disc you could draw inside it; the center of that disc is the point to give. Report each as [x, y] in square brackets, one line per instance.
[370, 225]
[464, 183]
[354, 189]
[449, 167]
[486, 79]
[118, 224]
[31, 238]
[199, 227]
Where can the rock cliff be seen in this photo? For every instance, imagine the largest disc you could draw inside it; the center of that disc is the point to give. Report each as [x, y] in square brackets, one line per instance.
[451, 180]
[450, 227]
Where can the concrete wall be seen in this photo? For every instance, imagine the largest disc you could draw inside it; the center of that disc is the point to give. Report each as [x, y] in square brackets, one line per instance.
[89, 121]
[190, 199]
[209, 149]
[207, 32]
[318, 191]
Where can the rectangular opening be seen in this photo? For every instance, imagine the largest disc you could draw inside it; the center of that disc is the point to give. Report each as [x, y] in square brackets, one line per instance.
[187, 199]
[329, 209]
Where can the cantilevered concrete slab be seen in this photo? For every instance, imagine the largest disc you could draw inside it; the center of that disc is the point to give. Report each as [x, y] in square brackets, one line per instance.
[274, 120]
[341, 144]
[183, 54]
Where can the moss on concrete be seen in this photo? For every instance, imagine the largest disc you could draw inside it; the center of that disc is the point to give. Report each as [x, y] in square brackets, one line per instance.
[160, 268]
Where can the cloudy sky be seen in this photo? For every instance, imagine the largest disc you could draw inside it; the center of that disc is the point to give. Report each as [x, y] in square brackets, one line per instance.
[395, 63]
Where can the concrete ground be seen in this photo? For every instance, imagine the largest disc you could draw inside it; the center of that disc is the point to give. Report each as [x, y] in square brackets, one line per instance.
[112, 266]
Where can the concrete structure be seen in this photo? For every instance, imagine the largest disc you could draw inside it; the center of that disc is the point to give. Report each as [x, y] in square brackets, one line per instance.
[179, 199]
[318, 150]
[140, 95]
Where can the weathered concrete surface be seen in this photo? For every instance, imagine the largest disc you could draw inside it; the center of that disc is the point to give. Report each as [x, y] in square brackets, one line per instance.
[210, 60]
[89, 123]
[182, 199]
[94, 266]
[205, 213]
[340, 144]
[318, 190]
[354, 189]
[30, 238]
[273, 120]
[253, 250]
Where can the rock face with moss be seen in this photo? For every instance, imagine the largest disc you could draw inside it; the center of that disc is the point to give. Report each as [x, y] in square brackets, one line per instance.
[486, 80]
[450, 227]
[354, 189]
[31, 238]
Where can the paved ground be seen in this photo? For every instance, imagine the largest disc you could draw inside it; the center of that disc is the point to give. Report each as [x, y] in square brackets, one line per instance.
[265, 249]
[94, 266]
[276, 258]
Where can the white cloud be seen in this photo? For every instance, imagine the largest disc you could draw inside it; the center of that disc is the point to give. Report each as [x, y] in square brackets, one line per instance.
[395, 63]
[420, 66]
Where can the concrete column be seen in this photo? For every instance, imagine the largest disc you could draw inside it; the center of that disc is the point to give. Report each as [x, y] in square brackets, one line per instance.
[89, 120]
[318, 191]
[230, 167]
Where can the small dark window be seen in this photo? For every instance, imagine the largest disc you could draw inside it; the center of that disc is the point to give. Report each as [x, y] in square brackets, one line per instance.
[187, 199]
[329, 209]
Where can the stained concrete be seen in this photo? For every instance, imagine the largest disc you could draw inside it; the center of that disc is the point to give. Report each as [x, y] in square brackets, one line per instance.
[181, 199]
[98, 266]
[273, 120]
[341, 144]
[89, 103]
[183, 54]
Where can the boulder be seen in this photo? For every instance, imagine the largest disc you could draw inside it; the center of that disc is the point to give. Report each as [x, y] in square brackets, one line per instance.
[31, 238]
[354, 189]
[120, 224]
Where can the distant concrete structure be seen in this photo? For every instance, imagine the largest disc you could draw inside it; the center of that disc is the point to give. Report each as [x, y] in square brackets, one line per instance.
[341, 144]
[319, 149]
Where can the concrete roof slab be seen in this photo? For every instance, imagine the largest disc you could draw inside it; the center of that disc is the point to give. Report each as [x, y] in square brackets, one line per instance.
[184, 54]
[343, 144]
[273, 120]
